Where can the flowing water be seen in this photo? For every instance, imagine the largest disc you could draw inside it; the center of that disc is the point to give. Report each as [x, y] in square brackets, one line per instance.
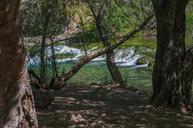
[96, 71]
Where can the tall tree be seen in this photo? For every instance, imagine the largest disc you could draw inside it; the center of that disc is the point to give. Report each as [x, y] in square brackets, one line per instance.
[15, 86]
[173, 70]
[110, 57]
[46, 21]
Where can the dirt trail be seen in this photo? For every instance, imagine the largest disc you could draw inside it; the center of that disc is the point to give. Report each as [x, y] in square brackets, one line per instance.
[103, 107]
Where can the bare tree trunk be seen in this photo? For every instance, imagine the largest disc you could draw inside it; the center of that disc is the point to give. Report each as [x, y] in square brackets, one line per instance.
[111, 64]
[172, 75]
[110, 59]
[15, 85]
[54, 65]
[43, 43]
[113, 69]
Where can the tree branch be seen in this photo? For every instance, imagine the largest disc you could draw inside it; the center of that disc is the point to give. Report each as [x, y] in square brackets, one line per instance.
[85, 59]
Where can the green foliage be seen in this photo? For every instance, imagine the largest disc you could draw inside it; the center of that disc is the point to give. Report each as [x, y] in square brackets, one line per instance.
[119, 19]
[189, 24]
[34, 13]
[31, 15]
[64, 56]
[115, 20]
[33, 51]
[147, 55]
[123, 17]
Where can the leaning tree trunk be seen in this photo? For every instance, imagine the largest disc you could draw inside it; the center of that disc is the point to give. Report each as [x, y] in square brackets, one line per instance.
[110, 57]
[172, 71]
[15, 86]
[112, 67]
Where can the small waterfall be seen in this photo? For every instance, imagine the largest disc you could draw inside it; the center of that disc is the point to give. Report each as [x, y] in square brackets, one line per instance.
[123, 57]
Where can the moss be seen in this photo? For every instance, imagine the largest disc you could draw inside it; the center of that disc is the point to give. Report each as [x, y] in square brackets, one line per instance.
[142, 60]
[138, 42]
[64, 56]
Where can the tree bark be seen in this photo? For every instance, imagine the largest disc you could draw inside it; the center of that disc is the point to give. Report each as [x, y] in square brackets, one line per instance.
[110, 57]
[171, 79]
[43, 43]
[113, 69]
[111, 64]
[53, 59]
[15, 86]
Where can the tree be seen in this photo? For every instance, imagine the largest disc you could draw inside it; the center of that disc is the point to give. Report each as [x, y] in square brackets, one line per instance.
[51, 25]
[173, 70]
[104, 37]
[15, 86]
[43, 43]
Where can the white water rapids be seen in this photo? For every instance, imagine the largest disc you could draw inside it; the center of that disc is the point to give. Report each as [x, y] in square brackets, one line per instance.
[123, 57]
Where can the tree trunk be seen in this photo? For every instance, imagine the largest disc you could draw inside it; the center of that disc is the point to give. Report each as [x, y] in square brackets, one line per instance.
[171, 82]
[43, 43]
[103, 34]
[15, 86]
[53, 59]
[112, 67]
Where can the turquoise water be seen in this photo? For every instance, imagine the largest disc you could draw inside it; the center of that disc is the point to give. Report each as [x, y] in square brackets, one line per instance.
[98, 73]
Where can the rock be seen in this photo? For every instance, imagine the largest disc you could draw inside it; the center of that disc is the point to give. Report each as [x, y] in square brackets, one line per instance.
[77, 118]
[148, 106]
[141, 61]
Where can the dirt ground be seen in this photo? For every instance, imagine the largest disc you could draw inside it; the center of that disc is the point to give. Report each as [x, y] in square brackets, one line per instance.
[103, 107]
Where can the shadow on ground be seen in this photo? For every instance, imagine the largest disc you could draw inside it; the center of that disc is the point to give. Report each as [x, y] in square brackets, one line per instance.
[103, 107]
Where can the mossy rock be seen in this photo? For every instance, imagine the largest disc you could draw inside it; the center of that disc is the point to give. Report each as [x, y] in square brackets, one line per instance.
[151, 65]
[141, 61]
